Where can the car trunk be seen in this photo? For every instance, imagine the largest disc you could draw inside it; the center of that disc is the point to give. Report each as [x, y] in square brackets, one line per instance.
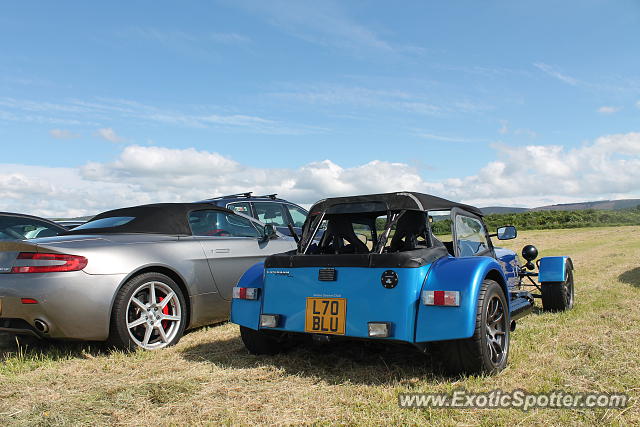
[341, 294]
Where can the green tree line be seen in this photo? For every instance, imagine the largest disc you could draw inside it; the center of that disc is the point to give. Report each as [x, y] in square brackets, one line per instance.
[542, 220]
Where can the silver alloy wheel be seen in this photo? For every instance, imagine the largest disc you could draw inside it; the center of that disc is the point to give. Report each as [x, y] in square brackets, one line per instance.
[496, 330]
[154, 315]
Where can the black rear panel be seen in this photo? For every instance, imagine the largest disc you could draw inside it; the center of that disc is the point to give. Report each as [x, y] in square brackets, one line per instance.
[408, 259]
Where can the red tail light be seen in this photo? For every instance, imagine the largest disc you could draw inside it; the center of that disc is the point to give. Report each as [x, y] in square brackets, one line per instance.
[245, 293]
[48, 263]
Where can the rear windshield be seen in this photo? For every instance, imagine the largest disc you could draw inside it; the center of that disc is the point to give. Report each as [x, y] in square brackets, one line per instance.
[367, 232]
[114, 221]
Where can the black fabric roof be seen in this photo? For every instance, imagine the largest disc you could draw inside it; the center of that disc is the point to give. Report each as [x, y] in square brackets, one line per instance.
[158, 218]
[393, 201]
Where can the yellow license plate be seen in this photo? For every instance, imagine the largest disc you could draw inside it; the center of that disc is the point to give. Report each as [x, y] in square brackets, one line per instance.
[326, 315]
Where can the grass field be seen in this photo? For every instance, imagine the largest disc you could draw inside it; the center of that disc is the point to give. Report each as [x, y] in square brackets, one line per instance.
[208, 378]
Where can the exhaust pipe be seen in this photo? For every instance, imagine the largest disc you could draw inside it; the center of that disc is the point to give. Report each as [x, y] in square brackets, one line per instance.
[41, 326]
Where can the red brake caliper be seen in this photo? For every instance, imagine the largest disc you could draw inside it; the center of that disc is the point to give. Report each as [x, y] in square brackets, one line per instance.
[165, 310]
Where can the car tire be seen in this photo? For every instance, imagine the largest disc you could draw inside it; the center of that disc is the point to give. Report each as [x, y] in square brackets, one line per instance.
[558, 296]
[258, 342]
[486, 352]
[149, 312]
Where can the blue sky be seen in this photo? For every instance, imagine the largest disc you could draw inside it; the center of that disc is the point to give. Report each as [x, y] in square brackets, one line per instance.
[500, 102]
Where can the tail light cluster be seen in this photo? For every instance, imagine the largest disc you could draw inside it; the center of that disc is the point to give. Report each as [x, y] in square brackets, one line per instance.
[446, 298]
[33, 262]
[245, 293]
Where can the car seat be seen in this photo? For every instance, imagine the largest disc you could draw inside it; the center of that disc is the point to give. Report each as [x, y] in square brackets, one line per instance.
[338, 230]
[411, 225]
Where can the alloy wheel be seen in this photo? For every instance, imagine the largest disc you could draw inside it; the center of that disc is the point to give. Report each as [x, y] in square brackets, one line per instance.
[154, 315]
[496, 330]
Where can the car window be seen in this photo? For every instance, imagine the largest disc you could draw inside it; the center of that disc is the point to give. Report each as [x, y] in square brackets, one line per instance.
[440, 222]
[471, 236]
[221, 224]
[26, 228]
[113, 221]
[298, 215]
[271, 213]
[242, 207]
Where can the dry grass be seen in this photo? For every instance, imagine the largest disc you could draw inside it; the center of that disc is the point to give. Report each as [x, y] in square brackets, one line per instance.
[210, 379]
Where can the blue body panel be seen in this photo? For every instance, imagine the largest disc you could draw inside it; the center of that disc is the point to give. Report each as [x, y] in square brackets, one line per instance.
[553, 268]
[509, 263]
[247, 312]
[284, 292]
[367, 299]
[465, 275]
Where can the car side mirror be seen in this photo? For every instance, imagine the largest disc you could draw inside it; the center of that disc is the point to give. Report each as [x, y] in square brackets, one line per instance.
[270, 232]
[506, 233]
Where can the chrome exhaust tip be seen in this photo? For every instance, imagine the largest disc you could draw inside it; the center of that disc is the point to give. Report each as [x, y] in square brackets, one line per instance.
[41, 326]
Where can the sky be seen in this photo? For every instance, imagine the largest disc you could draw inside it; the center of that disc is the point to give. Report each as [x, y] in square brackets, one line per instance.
[112, 104]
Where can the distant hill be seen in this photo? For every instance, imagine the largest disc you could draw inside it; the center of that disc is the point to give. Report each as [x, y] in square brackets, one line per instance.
[501, 210]
[602, 205]
[78, 218]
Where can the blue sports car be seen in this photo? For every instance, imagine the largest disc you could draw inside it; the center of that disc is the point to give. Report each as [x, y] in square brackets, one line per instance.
[405, 267]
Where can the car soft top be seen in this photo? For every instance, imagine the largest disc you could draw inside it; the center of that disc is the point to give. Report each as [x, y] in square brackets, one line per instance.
[403, 200]
[158, 218]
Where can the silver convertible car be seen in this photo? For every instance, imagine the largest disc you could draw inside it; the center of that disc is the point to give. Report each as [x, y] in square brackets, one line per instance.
[137, 277]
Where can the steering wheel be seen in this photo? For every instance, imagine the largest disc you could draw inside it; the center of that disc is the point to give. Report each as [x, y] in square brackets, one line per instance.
[217, 232]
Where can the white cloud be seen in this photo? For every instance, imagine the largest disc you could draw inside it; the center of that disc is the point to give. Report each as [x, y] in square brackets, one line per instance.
[173, 38]
[447, 138]
[504, 130]
[551, 71]
[530, 175]
[109, 134]
[229, 38]
[410, 102]
[63, 134]
[504, 127]
[607, 109]
[91, 113]
[525, 132]
[326, 24]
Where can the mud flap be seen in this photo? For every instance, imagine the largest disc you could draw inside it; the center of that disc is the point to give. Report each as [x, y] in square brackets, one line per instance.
[553, 268]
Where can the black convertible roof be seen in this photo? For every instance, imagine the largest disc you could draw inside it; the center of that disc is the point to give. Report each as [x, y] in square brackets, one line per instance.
[158, 218]
[389, 201]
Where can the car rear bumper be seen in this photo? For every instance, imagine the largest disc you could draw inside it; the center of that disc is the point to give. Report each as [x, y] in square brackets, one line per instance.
[71, 305]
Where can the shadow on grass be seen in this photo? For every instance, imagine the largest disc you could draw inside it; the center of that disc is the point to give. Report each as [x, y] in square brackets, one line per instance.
[631, 277]
[29, 347]
[360, 362]
[26, 347]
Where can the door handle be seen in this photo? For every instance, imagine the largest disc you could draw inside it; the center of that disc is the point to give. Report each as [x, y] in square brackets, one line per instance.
[222, 250]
